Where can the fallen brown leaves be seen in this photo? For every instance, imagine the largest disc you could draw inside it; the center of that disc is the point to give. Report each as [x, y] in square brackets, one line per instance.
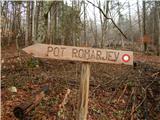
[111, 95]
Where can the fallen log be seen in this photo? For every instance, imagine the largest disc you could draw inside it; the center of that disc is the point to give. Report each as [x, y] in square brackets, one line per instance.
[23, 109]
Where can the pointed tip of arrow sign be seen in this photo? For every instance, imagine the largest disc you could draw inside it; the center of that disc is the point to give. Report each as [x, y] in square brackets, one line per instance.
[30, 49]
[27, 49]
[35, 50]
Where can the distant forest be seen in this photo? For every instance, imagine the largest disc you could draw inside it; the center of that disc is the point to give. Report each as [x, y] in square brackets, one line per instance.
[69, 23]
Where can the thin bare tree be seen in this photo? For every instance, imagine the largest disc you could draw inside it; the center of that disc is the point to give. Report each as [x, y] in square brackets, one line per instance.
[144, 25]
[27, 24]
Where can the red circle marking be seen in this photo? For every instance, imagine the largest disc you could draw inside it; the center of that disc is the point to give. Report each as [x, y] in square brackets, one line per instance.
[125, 58]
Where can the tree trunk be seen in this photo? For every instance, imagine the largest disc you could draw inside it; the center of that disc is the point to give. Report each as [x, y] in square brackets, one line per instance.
[31, 18]
[139, 23]
[104, 23]
[120, 26]
[55, 24]
[95, 27]
[10, 30]
[37, 12]
[144, 26]
[52, 25]
[18, 24]
[85, 39]
[49, 27]
[27, 24]
[33, 22]
[130, 24]
[157, 25]
[102, 26]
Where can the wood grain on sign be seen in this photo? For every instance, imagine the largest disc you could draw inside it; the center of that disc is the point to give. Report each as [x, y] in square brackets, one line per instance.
[85, 54]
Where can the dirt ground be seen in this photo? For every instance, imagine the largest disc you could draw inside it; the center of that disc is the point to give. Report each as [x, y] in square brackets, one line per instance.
[117, 92]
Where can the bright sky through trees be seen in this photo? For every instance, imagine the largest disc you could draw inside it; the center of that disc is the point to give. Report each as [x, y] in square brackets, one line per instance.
[123, 3]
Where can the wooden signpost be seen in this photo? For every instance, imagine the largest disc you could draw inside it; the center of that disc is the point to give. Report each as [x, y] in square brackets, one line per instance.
[85, 55]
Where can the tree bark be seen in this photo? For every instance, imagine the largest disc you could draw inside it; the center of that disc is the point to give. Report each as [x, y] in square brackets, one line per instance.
[157, 25]
[27, 24]
[85, 39]
[120, 22]
[104, 23]
[18, 24]
[139, 24]
[130, 22]
[95, 28]
[144, 25]
[33, 22]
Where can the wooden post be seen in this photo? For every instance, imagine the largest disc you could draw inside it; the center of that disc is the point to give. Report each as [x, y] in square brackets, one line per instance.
[84, 91]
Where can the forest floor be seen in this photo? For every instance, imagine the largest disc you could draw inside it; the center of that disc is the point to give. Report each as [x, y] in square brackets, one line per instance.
[117, 92]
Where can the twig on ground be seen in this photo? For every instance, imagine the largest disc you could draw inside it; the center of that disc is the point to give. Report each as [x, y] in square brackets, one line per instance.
[95, 89]
[133, 105]
[127, 105]
[65, 99]
[155, 74]
[119, 84]
[122, 93]
[141, 102]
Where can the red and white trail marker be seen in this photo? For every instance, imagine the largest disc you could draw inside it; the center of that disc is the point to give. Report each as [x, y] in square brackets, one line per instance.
[126, 58]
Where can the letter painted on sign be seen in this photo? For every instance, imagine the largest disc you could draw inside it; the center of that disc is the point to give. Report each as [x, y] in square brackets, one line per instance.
[110, 56]
[62, 48]
[93, 54]
[87, 54]
[113, 56]
[74, 52]
[50, 49]
[116, 55]
[80, 53]
[56, 51]
[98, 56]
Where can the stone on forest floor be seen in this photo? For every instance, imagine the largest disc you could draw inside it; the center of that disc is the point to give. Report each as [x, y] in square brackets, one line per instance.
[12, 89]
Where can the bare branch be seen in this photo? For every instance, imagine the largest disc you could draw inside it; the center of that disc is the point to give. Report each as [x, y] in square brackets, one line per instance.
[109, 19]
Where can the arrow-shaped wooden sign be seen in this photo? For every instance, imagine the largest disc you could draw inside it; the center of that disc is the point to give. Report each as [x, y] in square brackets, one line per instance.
[84, 54]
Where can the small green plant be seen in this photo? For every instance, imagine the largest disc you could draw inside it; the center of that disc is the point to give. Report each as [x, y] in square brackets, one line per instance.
[60, 113]
[130, 83]
[53, 101]
[32, 63]
[118, 113]
[96, 110]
